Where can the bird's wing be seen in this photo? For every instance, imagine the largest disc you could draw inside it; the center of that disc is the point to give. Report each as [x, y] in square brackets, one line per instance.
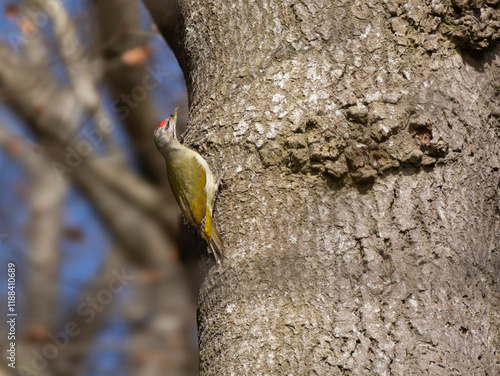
[192, 195]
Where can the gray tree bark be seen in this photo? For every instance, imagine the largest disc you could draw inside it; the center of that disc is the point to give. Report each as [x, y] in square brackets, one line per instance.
[359, 205]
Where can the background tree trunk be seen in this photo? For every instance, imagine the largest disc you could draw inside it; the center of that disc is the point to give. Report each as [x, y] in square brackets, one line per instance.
[359, 205]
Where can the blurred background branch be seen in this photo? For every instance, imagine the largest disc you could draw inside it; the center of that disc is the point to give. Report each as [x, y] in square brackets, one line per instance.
[85, 213]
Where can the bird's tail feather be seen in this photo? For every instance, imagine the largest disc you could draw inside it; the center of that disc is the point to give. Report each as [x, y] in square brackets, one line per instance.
[216, 245]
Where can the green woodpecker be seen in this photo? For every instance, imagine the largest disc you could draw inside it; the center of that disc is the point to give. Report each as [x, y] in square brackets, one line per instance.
[192, 184]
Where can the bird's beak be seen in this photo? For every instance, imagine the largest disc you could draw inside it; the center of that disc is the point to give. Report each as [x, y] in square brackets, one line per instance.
[173, 120]
[174, 114]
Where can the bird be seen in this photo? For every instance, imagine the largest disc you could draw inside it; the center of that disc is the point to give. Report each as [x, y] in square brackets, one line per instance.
[192, 184]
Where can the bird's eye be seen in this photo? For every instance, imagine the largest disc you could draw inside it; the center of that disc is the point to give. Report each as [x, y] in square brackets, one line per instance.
[163, 124]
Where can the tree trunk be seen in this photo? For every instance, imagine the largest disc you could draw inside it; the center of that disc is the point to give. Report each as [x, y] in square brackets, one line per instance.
[359, 203]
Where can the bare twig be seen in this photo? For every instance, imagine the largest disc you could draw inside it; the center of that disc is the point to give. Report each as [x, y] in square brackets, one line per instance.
[47, 195]
[72, 53]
